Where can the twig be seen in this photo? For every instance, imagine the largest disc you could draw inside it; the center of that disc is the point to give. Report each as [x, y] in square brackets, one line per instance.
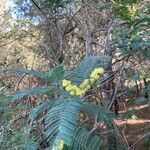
[96, 124]
[109, 77]
[18, 118]
[139, 140]
[86, 120]
[123, 131]
[17, 84]
[116, 89]
[107, 37]
[43, 13]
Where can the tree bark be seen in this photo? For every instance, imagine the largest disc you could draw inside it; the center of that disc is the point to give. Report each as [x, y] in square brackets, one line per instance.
[107, 87]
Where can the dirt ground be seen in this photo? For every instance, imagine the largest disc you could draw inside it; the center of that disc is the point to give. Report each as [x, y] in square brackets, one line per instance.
[135, 129]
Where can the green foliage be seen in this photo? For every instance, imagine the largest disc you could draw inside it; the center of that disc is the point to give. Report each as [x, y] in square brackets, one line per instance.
[133, 39]
[56, 74]
[62, 115]
[31, 145]
[84, 140]
[39, 110]
[24, 71]
[51, 75]
[84, 69]
[125, 9]
[61, 124]
[57, 118]
[19, 140]
[61, 120]
[33, 91]
[99, 111]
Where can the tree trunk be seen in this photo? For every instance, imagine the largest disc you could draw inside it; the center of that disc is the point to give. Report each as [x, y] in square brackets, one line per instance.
[107, 87]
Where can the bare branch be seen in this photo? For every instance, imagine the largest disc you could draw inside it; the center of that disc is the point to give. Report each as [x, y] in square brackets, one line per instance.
[139, 140]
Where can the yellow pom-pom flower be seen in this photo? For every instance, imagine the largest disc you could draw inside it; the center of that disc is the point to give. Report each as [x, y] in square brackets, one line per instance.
[87, 88]
[94, 73]
[95, 76]
[92, 80]
[84, 86]
[86, 82]
[66, 83]
[82, 93]
[68, 88]
[77, 90]
[99, 70]
[81, 86]
[72, 93]
[74, 87]
[79, 93]
[61, 144]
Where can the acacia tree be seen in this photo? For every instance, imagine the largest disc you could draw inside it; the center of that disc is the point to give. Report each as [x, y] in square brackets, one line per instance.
[82, 28]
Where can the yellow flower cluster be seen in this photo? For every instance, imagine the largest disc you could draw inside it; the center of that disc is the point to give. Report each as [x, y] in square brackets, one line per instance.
[96, 74]
[60, 145]
[84, 86]
[71, 88]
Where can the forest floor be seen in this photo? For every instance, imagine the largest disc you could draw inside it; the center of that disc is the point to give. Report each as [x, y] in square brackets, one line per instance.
[135, 130]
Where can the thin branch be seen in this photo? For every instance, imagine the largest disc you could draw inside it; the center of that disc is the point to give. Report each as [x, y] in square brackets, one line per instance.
[19, 81]
[43, 13]
[116, 89]
[4, 44]
[124, 128]
[109, 77]
[139, 140]
[18, 118]
[108, 36]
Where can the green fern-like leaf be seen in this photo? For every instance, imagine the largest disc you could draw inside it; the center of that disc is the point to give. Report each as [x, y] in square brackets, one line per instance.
[84, 69]
[38, 110]
[19, 140]
[61, 121]
[31, 145]
[61, 124]
[56, 74]
[98, 111]
[33, 91]
[53, 75]
[84, 140]
[38, 74]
